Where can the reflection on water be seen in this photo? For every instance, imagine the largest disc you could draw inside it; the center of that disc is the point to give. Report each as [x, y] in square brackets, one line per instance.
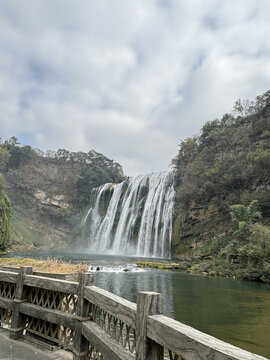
[235, 311]
[127, 285]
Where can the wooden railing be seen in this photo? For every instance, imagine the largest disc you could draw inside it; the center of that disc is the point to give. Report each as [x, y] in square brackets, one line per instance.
[97, 325]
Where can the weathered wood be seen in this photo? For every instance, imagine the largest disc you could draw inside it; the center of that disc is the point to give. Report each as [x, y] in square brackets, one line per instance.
[192, 344]
[85, 279]
[8, 276]
[154, 332]
[52, 284]
[122, 309]
[80, 343]
[66, 276]
[148, 303]
[54, 316]
[20, 292]
[6, 303]
[109, 347]
[17, 319]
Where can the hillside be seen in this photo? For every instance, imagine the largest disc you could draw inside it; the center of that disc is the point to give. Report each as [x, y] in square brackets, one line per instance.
[48, 191]
[227, 164]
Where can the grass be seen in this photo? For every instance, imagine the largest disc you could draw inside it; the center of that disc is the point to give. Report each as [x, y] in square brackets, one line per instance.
[162, 265]
[19, 231]
[50, 265]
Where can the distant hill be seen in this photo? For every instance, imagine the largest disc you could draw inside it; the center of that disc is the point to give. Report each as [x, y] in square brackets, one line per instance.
[227, 164]
[47, 190]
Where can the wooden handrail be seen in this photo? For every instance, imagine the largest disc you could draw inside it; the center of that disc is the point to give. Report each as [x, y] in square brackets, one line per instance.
[89, 317]
[123, 309]
[8, 276]
[191, 343]
[51, 284]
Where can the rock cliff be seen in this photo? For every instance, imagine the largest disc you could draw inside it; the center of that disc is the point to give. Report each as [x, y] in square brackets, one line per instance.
[49, 191]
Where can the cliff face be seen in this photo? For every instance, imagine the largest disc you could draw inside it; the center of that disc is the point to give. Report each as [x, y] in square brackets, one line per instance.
[48, 192]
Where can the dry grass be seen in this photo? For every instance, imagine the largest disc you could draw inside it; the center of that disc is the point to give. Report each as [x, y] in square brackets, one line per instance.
[162, 265]
[50, 265]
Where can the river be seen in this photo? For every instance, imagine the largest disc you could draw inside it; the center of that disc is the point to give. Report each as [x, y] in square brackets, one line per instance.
[235, 311]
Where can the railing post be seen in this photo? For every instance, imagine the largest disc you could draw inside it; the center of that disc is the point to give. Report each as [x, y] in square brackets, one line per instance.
[148, 303]
[18, 319]
[80, 344]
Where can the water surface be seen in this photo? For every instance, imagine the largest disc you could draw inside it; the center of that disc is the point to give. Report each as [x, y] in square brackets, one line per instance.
[237, 312]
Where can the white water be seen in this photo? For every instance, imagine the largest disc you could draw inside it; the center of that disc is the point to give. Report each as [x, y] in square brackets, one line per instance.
[129, 267]
[133, 217]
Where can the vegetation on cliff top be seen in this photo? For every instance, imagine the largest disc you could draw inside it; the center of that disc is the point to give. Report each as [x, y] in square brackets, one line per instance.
[227, 164]
[80, 172]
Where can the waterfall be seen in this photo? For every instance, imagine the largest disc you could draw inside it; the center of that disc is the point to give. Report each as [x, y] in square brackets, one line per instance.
[132, 218]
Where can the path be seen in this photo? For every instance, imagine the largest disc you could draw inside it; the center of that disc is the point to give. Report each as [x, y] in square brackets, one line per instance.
[23, 350]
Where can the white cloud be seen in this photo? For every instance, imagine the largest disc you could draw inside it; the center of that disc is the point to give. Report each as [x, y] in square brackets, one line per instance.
[127, 78]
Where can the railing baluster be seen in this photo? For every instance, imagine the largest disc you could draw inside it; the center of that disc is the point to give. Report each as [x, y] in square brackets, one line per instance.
[18, 320]
[80, 344]
[148, 303]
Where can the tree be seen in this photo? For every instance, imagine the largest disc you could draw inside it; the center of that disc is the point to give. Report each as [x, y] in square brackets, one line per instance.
[248, 214]
[4, 216]
[19, 155]
[4, 157]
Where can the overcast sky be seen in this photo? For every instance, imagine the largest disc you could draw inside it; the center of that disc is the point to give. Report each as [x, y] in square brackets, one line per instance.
[130, 79]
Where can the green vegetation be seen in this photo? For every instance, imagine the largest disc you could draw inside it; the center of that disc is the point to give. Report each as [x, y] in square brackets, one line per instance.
[21, 231]
[101, 171]
[227, 164]
[48, 189]
[245, 252]
[4, 216]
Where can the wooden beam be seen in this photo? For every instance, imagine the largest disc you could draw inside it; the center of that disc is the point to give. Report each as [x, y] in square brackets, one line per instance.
[148, 303]
[8, 276]
[51, 315]
[52, 284]
[17, 319]
[80, 343]
[120, 308]
[108, 346]
[6, 303]
[191, 343]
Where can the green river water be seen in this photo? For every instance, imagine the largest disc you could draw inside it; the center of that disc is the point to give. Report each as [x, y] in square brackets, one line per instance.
[237, 312]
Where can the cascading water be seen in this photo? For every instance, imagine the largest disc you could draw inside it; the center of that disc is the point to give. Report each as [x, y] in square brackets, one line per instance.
[132, 218]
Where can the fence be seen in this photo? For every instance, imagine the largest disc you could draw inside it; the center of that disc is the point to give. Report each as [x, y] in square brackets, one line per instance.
[97, 325]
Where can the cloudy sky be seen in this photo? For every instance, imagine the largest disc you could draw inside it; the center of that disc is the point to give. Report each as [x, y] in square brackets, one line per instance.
[130, 79]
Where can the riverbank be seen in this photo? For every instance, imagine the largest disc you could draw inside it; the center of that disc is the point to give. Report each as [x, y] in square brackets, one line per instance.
[161, 265]
[50, 265]
[202, 265]
[207, 266]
